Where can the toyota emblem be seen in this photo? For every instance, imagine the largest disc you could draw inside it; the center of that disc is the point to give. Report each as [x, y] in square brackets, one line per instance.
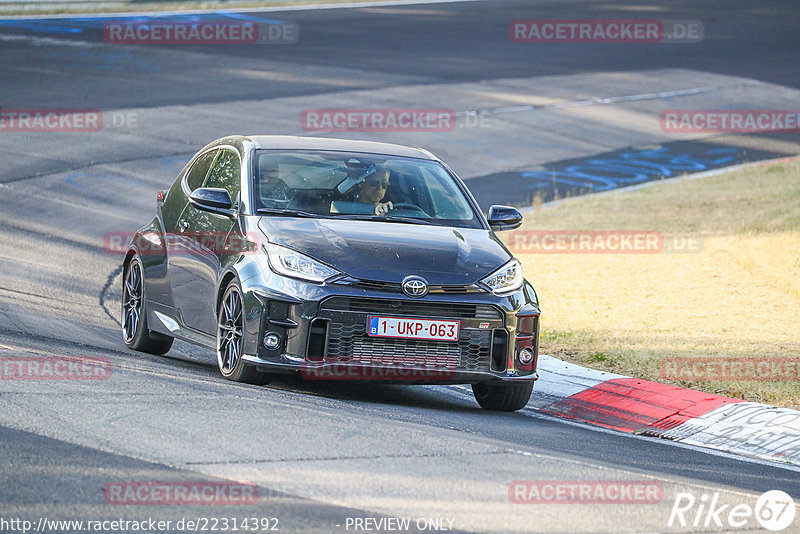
[415, 286]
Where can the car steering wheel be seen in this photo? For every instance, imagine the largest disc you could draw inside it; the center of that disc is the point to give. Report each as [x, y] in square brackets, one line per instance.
[408, 206]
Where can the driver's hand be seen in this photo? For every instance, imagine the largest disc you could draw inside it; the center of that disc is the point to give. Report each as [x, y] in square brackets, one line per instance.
[382, 208]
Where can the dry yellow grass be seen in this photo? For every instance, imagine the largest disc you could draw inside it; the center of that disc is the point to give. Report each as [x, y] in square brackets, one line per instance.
[738, 297]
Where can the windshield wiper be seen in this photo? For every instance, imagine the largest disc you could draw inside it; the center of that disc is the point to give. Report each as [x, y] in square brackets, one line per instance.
[291, 213]
[385, 218]
[410, 220]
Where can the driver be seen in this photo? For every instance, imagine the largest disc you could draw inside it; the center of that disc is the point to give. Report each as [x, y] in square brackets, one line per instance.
[373, 189]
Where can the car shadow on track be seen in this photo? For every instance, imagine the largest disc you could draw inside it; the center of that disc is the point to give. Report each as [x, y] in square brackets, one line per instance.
[443, 398]
[408, 395]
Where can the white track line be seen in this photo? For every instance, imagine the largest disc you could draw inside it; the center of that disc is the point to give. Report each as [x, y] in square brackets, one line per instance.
[223, 8]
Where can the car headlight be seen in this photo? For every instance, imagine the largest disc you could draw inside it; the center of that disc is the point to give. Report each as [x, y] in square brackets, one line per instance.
[291, 263]
[506, 279]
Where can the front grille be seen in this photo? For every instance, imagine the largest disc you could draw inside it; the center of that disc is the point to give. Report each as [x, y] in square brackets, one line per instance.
[470, 288]
[411, 308]
[349, 342]
[394, 287]
[373, 285]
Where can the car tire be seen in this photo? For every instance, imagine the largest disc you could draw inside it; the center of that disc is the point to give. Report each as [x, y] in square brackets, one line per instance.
[230, 330]
[134, 313]
[503, 398]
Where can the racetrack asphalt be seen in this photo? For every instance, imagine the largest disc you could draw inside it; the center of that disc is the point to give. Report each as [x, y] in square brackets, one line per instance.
[323, 453]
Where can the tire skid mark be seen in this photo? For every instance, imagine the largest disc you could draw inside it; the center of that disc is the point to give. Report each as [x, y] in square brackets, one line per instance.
[101, 297]
[37, 295]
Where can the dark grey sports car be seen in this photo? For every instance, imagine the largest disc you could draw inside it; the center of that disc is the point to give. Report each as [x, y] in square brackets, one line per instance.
[337, 259]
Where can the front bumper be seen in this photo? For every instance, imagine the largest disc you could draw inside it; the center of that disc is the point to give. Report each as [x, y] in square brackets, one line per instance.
[323, 334]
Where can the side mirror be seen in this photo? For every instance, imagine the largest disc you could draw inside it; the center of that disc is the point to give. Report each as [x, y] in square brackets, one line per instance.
[213, 199]
[504, 218]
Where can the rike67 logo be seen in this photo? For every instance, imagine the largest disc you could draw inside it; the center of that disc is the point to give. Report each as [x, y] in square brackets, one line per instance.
[774, 510]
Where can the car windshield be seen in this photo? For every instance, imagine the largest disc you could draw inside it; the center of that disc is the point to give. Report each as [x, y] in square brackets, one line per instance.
[360, 186]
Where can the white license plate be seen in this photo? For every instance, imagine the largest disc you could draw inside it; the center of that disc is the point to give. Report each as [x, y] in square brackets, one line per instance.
[413, 328]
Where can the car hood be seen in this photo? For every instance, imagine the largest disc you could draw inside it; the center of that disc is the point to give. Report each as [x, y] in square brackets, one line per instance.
[389, 252]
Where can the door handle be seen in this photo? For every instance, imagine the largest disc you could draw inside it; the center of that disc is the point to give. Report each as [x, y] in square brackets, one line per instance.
[183, 225]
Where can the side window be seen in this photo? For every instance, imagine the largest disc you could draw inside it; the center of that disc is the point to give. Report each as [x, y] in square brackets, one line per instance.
[226, 173]
[184, 184]
[196, 175]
